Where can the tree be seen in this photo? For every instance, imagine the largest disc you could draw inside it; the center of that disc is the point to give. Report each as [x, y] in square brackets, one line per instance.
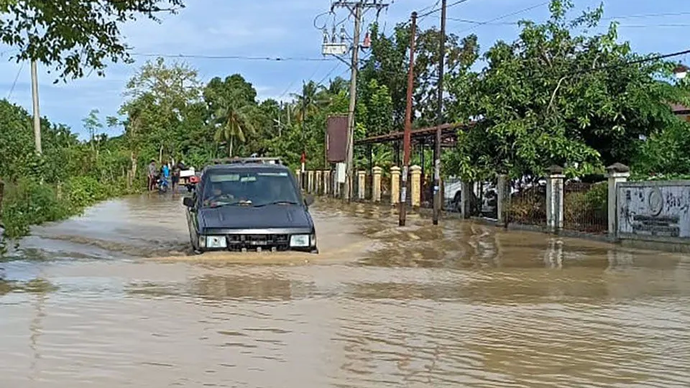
[92, 124]
[375, 109]
[388, 64]
[338, 85]
[161, 96]
[559, 96]
[233, 123]
[313, 98]
[232, 103]
[45, 31]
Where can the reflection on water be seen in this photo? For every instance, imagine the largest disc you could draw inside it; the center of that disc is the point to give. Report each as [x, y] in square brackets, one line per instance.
[112, 299]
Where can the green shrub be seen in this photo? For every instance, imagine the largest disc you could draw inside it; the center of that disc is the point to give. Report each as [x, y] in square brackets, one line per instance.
[591, 205]
[28, 202]
[84, 191]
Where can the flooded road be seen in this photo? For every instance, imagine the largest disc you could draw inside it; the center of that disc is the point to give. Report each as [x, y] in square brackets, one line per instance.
[113, 299]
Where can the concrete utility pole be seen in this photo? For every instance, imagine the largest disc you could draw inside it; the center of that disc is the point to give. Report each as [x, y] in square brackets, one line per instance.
[353, 103]
[408, 126]
[37, 114]
[356, 8]
[439, 116]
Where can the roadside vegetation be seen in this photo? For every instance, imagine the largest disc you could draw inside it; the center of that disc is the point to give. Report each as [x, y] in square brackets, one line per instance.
[558, 94]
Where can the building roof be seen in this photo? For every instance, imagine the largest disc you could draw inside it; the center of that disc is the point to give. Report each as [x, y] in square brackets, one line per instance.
[680, 109]
[448, 133]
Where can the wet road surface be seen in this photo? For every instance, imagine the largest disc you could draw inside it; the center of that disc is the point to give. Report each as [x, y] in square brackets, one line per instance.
[113, 299]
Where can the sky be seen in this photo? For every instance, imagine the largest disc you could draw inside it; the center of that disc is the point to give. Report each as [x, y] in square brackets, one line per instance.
[211, 34]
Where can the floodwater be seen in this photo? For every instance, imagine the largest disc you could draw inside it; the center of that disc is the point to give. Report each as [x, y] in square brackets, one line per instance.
[113, 299]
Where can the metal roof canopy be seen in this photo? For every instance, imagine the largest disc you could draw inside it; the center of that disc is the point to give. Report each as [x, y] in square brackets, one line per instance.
[448, 134]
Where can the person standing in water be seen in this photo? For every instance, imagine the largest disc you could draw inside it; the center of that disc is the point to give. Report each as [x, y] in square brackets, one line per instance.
[152, 175]
[175, 175]
[166, 172]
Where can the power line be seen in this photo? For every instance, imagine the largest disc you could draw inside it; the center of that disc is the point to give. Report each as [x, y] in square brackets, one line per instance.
[589, 70]
[329, 74]
[16, 78]
[622, 17]
[235, 57]
[505, 16]
[429, 7]
[649, 15]
[453, 4]
[652, 25]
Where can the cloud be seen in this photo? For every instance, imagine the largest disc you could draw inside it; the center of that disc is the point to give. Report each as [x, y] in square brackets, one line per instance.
[285, 28]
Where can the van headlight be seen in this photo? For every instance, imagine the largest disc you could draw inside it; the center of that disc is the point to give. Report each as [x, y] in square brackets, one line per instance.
[216, 242]
[299, 240]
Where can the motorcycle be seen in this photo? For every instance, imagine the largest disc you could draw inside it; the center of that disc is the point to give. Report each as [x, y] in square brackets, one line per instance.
[162, 185]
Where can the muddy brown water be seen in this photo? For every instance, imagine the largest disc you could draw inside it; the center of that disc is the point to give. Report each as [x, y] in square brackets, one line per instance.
[113, 299]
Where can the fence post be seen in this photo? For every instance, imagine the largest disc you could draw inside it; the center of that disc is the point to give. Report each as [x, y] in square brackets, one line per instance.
[298, 175]
[395, 185]
[326, 182]
[503, 199]
[310, 181]
[416, 186]
[362, 184]
[554, 199]
[376, 189]
[319, 182]
[617, 173]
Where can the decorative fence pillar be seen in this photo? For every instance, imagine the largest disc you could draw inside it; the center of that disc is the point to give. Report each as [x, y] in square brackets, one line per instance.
[503, 200]
[617, 173]
[376, 189]
[395, 185]
[416, 186]
[554, 198]
[310, 181]
[319, 182]
[327, 182]
[362, 185]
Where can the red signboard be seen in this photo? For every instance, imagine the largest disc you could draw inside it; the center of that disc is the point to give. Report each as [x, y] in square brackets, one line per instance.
[336, 139]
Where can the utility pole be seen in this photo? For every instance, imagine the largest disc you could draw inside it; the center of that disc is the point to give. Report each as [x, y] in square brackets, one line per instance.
[439, 116]
[408, 125]
[304, 139]
[37, 114]
[353, 103]
[356, 8]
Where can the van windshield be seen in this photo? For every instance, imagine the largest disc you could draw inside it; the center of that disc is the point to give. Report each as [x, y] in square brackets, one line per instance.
[249, 188]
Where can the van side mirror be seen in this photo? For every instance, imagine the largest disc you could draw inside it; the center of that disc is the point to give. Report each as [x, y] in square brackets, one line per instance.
[187, 201]
[309, 200]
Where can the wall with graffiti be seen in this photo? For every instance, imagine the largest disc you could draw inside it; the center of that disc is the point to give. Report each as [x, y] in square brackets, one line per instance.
[654, 209]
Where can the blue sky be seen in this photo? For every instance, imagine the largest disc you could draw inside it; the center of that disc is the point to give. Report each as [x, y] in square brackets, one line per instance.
[285, 28]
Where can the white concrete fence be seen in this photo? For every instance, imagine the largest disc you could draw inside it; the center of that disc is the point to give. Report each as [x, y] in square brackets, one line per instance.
[661, 209]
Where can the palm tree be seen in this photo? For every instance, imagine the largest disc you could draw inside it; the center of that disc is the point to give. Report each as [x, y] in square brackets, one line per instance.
[313, 97]
[338, 85]
[233, 123]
